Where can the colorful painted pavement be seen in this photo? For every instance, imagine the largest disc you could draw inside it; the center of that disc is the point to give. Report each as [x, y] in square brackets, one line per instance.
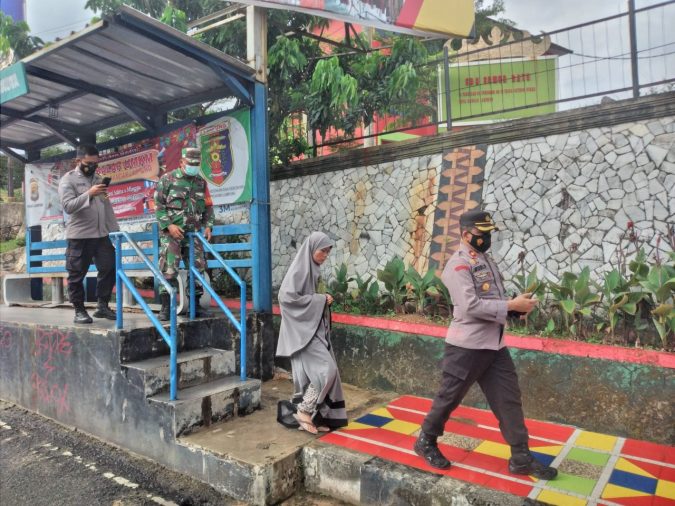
[593, 468]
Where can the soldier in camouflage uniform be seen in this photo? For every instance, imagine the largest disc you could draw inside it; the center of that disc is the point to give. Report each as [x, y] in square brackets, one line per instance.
[181, 205]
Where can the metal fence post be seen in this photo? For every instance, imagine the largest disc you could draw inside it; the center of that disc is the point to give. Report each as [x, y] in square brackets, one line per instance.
[633, 48]
[446, 74]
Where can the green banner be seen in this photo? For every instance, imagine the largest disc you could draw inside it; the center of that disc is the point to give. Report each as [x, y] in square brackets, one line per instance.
[13, 82]
[490, 89]
[226, 157]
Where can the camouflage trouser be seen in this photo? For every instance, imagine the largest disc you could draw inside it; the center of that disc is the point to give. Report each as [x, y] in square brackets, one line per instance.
[171, 251]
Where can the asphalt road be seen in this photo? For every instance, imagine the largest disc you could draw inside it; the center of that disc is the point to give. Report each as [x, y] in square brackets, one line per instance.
[44, 463]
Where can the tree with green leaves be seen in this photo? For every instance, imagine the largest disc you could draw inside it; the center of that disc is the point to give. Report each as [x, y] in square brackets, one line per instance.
[336, 91]
[15, 36]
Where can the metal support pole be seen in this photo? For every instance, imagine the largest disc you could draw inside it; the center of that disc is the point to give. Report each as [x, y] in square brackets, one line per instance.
[256, 41]
[119, 287]
[633, 49]
[155, 256]
[173, 349]
[10, 176]
[191, 274]
[446, 76]
[260, 207]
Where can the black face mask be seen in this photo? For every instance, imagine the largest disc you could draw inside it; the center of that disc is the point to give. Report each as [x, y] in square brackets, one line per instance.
[481, 243]
[88, 169]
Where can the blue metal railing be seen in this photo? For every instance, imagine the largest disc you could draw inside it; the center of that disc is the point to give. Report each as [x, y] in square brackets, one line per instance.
[170, 337]
[194, 273]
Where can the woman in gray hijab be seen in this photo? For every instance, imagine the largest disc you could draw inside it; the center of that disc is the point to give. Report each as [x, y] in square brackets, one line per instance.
[305, 338]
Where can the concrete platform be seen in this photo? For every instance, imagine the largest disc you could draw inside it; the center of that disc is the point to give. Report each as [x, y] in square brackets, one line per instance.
[272, 453]
[62, 316]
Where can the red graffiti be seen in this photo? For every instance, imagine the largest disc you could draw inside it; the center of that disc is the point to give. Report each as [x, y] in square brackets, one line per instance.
[51, 343]
[5, 339]
[51, 393]
[51, 346]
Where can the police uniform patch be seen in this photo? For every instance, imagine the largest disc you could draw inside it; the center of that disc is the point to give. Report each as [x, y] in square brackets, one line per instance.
[482, 275]
[461, 268]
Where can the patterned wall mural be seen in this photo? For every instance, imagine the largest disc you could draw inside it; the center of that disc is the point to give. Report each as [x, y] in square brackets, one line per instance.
[460, 190]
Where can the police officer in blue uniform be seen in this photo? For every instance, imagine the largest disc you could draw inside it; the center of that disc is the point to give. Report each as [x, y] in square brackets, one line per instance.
[475, 349]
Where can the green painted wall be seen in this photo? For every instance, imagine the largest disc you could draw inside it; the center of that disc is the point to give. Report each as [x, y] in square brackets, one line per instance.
[623, 399]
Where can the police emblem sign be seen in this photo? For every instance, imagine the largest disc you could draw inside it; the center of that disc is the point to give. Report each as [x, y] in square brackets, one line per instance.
[226, 161]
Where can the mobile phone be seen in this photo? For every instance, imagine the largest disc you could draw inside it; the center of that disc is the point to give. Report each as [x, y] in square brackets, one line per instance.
[106, 181]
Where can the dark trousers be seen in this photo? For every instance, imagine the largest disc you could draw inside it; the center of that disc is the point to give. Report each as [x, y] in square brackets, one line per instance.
[496, 375]
[79, 255]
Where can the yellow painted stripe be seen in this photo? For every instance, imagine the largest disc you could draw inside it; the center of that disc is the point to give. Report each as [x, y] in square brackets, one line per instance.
[382, 412]
[401, 427]
[623, 465]
[596, 440]
[548, 450]
[665, 488]
[499, 450]
[615, 491]
[560, 499]
[448, 17]
[357, 425]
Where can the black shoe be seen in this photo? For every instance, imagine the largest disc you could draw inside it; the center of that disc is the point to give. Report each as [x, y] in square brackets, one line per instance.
[527, 464]
[103, 311]
[427, 448]
[81, 316]
[163, 315]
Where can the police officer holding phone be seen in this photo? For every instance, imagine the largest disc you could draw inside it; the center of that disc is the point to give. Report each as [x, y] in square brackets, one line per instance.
[84, 197]
[475, 349]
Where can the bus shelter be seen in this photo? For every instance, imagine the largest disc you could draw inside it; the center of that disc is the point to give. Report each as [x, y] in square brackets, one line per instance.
[130, 67]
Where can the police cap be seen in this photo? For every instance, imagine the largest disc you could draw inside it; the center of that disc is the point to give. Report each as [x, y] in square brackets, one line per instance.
[478, 219]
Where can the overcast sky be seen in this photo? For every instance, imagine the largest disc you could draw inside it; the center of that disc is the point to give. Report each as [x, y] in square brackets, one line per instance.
[533, 15]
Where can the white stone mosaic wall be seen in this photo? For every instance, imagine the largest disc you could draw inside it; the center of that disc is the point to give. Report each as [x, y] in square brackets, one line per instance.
[581, 188]
[547, 193]
[373, 213]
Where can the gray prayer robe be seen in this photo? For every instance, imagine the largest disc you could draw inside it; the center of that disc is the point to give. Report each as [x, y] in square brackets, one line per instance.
[305, 335]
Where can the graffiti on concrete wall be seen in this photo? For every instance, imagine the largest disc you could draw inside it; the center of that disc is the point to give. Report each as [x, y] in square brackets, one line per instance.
[50, 353]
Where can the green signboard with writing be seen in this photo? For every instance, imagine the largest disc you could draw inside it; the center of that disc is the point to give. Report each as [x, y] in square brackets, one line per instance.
[486, 91]
[13, 82]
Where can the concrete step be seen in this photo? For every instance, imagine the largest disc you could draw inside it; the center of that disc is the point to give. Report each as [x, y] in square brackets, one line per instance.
[137, 344]
[253, 458]
[194, 368]
[362, 479]
[211, 402]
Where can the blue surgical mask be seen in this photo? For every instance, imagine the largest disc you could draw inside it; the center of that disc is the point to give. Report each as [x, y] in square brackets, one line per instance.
[192, 170]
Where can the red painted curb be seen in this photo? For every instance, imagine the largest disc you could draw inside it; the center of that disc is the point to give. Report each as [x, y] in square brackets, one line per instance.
[547, 345]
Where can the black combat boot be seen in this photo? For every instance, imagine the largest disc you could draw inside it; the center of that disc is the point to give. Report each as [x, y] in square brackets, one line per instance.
[426, 447]
[163, 315]
[103, 311]
[81, 315]
[522, 462]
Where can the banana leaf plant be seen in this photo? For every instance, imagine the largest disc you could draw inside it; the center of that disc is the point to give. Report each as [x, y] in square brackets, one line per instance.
[617, 298]
[575, 298]
[393, 277]
[660, 285]
[531, 283]
[367, 295]
[339, 285]
[420, 286]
